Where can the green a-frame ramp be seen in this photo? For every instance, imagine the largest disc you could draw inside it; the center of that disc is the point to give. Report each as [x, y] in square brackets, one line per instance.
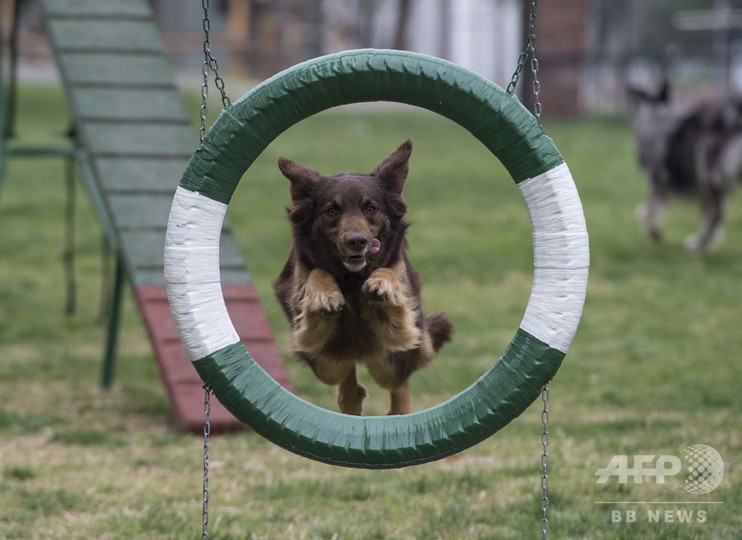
[134, 141]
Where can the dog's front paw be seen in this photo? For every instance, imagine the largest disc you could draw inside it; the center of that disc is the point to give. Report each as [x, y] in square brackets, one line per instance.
[322, 294]
[328, 303]
[382, 286]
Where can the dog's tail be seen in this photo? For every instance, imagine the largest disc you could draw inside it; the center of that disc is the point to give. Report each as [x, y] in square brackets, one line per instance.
[440, 329]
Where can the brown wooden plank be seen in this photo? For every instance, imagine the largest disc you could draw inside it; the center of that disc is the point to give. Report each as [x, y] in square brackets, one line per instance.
[175, 364]
[181, 380]
[246, 313]
[188, 409]
[161, 322]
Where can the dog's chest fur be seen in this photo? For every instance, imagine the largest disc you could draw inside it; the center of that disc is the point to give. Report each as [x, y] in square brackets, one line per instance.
[365, 329]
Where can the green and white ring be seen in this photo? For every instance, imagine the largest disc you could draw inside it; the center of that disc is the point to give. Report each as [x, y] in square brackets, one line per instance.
[507, 388]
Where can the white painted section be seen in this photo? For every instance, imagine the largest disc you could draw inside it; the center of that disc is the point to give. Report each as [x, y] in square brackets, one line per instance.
[192, 274]
[561, 257]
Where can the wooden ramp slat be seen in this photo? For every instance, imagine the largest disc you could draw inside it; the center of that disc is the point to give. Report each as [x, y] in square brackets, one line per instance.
[133, 174]
[88, 33]
[138, 140]
[94, 67]
[130, 104]
[183, 385]
[87, 8]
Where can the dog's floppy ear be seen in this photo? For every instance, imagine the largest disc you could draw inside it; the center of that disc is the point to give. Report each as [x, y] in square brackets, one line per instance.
[393, 170]
[302, 178]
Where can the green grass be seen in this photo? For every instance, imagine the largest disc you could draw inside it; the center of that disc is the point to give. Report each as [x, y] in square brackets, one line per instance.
[654, 367]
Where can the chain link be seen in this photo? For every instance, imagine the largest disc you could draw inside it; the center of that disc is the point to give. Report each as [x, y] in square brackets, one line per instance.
[530, 49]
[544, 460]
[204, 100]
[537, 108]
[210, 64]
[207, 433]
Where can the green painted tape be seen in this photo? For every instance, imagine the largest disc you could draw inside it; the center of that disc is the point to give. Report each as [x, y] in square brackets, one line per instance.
[249, 125]
[377, 442]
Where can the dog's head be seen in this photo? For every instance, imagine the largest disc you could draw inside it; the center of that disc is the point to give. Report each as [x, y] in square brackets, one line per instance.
[349, 222]
[654, 96]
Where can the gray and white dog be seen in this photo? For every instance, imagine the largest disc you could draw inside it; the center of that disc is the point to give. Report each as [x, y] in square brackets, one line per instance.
[695, 153]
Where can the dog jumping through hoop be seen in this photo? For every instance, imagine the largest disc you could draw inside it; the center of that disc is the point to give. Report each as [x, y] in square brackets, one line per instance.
[348, 289]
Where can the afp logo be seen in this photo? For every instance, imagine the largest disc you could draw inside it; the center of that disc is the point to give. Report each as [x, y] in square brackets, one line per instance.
[701, 465]
[705, 469]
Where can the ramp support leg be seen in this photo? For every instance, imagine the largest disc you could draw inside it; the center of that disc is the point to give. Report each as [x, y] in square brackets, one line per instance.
[109, 358]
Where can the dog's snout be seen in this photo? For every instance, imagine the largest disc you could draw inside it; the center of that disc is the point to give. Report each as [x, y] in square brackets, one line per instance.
[356, 242]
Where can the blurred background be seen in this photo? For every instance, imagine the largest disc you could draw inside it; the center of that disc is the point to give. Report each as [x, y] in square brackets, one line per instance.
[588, 49]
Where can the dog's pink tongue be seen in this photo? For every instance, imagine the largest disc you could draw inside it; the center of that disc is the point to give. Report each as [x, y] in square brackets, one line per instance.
[375, 247]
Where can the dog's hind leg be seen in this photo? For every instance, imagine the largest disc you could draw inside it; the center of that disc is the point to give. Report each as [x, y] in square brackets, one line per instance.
[401, 403]
[393, 373]
[650, 215]
[351, 394]
[713, 213]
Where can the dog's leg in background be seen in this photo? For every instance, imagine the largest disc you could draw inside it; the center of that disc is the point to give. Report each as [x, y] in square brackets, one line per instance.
[713, 213]
[722, 169]
[650, 214]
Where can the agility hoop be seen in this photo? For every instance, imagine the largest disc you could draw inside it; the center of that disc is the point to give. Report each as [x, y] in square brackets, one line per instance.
[507, 129]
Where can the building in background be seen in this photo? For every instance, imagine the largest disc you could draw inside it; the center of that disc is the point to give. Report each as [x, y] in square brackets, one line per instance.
[486, 36]
[264, 36]
[588, 50]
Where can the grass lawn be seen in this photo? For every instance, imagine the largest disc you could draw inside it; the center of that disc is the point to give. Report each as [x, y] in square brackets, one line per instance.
[654, 367]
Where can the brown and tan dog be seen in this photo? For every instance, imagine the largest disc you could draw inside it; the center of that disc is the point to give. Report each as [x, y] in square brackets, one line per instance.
[350, 293]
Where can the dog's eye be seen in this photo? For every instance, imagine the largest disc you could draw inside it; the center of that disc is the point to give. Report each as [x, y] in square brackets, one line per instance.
[370, 210]
[332, 212]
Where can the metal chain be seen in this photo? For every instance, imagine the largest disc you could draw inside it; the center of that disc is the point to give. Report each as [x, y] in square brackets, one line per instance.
[210, 64]
[204, 99]
[529, 49]
[207, 433]
[537, 111]
[544, 460]
[537, 108]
